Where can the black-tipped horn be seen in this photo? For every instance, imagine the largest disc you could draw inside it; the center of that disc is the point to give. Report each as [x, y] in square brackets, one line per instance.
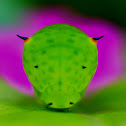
[24, 38]
[98, 38]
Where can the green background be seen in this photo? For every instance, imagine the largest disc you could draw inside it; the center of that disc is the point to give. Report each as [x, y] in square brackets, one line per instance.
[112, 10]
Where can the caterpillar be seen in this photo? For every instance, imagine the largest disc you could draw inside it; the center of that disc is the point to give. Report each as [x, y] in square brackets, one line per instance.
[60, 61]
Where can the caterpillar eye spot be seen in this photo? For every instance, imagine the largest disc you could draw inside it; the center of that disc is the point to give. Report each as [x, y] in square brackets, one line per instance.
[36, 66]
[83, 67]
[50, 103]
[71, 103]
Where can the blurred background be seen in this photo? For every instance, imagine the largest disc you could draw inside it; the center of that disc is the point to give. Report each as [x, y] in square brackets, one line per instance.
[95, 18]
[105, 104]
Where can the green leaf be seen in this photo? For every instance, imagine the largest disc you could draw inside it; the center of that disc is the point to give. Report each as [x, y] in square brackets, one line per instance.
[110, 98]
[104, 108]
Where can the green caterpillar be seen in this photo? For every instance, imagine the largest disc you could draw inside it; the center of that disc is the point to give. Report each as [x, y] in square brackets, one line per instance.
[60, 61]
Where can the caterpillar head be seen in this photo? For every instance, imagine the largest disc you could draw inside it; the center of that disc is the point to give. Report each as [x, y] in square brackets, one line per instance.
[59, 98]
